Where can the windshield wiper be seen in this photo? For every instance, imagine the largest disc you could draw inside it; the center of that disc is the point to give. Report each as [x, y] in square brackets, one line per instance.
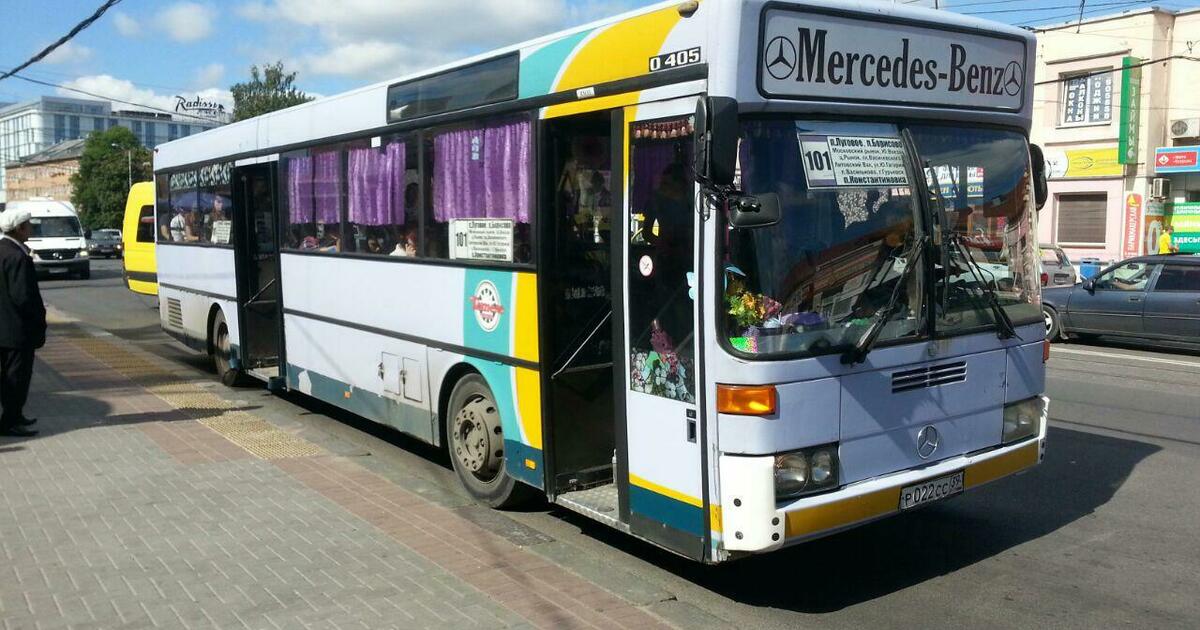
[1003, 322]
[1006, 329]
[880, 319]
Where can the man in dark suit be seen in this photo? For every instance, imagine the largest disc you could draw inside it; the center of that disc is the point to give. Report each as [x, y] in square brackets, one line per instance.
[22, 321]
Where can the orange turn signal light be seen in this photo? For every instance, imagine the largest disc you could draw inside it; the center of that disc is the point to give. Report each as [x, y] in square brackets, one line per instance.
[747, 400]
[1045, 351]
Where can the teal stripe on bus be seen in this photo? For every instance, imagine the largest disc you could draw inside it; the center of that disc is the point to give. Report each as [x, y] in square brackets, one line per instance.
[539, 69]
[664, 509]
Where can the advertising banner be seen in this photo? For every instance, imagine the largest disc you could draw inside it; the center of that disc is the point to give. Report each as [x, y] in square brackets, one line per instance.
[1153, 225]
[1176, 159]
[1131, 100]
[1185, 218]
[1073, 163]
[1133, 227]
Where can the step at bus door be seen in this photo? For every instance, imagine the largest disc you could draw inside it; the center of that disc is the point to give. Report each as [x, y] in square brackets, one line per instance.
[257, 261]
[663, 414]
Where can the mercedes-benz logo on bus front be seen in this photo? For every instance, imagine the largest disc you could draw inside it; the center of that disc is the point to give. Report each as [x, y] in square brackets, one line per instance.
[1013, 78]
[927, 442]
[780, 57]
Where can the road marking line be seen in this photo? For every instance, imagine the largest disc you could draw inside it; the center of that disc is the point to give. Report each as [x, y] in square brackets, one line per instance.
[1056, 350]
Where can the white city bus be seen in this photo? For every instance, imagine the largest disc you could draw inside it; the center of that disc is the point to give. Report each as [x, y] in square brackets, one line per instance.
[705, 272]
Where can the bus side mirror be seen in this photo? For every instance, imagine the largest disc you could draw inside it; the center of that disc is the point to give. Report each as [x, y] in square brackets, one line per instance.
[754, 211]
[1040, 188]
[716, 140]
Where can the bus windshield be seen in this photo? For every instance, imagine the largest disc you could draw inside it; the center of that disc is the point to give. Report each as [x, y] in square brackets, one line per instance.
[55, 227]
[852, 223]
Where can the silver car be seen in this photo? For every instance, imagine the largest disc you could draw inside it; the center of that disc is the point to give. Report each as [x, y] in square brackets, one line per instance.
[1056, 268]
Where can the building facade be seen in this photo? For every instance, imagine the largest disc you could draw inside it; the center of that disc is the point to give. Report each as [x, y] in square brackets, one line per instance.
[1109, 91]
[45, 173]
[33, 126]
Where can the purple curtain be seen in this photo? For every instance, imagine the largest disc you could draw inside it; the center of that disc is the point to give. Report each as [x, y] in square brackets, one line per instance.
[376, 185]
[314, 187]
[649, 162]
[482, 173]
[299, 189]
[327, 186]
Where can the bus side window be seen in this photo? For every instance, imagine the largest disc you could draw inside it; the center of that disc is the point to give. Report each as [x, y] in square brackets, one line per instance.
[383, 192]
[479, 207]
[313, 187]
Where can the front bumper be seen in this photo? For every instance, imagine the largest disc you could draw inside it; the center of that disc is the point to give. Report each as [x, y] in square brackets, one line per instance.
[752, 521]
[50, 266]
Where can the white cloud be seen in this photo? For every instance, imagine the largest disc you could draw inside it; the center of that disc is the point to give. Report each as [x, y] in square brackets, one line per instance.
[377, 39]
[187, 22]
[69, 52]
[126, 25]
[210, 74]
[108, 86]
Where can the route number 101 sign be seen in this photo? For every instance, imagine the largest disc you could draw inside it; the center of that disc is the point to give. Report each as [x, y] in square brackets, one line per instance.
[852, 161]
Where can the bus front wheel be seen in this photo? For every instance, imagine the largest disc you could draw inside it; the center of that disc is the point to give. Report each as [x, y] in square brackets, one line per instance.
[476, 444]
[222, 350]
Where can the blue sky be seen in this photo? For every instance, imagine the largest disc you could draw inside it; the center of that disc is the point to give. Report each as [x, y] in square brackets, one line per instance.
[147, 51]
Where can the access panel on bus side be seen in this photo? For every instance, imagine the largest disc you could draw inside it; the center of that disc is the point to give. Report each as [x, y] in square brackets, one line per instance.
[663, 413]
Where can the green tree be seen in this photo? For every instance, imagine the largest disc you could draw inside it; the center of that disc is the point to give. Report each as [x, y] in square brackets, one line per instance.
[101, 186]
[268, 90]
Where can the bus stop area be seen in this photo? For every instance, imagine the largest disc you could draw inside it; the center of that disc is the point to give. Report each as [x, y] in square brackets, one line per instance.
[156, 498]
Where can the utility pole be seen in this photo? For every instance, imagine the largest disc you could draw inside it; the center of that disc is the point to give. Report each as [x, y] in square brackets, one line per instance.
[129, 163]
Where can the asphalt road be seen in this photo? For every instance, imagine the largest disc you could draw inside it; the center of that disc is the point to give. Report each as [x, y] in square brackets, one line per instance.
[1102, 534]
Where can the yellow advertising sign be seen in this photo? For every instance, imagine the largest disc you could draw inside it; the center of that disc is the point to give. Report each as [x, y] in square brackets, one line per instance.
[1074, 163]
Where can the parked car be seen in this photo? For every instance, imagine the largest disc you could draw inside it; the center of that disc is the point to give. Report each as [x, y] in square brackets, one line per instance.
[57, 244]
[1057, 269]
[1149, 297]
[105, 242]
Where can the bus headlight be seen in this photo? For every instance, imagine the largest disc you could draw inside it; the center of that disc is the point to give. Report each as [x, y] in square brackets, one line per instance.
[806, 472]
[1023, 419]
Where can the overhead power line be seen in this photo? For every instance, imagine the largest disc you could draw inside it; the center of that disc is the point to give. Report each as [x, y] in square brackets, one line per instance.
[1118, 69]
[108, 4]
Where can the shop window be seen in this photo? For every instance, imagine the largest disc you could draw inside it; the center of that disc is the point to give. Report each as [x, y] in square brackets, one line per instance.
[1087, 99]
[313, 184]
[661, 292]
[383, 192]
[480, 206]
[1082, 218]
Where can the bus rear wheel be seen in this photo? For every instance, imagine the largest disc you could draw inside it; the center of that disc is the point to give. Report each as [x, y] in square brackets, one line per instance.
[476, 444]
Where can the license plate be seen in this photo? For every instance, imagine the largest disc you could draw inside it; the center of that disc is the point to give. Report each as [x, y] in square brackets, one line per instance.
[58, 270]
[930, 491]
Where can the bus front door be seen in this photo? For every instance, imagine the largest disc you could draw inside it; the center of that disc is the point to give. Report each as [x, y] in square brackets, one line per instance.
[662, 341]
[257, 268]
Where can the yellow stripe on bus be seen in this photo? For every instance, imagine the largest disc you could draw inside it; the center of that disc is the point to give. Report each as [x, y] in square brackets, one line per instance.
[529, 405]
[882, 502]
[525, 334]
[620, 51]
[663, 490]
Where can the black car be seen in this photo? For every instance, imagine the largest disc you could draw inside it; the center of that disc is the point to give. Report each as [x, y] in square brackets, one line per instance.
[1149, 297]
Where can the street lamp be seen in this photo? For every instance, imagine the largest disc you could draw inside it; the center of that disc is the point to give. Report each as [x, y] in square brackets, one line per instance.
[128, 160]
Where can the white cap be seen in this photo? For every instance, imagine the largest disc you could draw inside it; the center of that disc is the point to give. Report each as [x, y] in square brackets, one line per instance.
[12, 219]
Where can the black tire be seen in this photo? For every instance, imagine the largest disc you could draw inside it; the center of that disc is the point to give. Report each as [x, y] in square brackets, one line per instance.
[1054, 330]
[218, 338]
[476, 444]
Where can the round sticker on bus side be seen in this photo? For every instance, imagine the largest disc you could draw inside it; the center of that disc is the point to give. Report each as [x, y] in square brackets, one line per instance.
[487, 306]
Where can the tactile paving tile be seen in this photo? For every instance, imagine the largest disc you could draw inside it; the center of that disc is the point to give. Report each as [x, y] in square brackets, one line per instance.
[258, 437]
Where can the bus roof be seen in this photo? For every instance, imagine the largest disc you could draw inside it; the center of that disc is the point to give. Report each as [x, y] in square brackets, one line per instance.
[621, 48]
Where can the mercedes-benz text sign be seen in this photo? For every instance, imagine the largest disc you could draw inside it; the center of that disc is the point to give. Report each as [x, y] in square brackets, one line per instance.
[807, 55]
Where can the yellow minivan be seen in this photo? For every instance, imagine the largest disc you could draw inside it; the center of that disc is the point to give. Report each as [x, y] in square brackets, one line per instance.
[141, 273]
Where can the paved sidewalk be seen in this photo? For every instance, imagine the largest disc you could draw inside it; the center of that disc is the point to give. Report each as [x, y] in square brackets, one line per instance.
[150, 501]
